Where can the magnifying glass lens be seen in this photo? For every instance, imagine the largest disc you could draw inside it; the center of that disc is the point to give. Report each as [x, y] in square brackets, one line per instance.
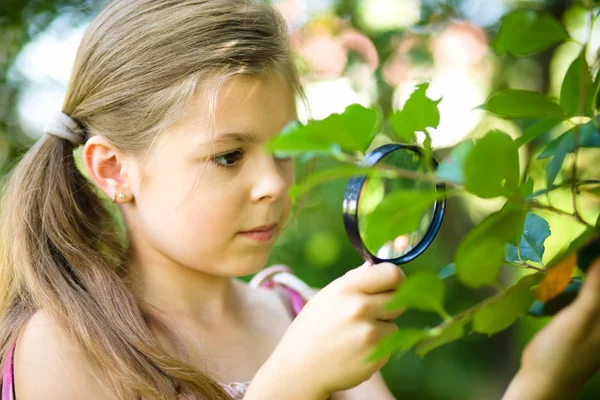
[368, 196]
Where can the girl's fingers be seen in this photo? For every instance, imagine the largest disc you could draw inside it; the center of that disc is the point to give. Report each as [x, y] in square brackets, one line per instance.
[377, 278]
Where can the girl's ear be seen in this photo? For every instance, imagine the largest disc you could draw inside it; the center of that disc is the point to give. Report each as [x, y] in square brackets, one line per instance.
[108, 168]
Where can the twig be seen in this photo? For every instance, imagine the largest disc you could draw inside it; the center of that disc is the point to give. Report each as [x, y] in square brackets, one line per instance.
[522, 264]
[535, 204]
[568, 182]
[472, 310]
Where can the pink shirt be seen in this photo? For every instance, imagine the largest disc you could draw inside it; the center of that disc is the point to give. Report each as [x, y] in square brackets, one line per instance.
[277, 277]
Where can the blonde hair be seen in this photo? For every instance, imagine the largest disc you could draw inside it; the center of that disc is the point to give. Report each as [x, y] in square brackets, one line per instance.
[138, 66]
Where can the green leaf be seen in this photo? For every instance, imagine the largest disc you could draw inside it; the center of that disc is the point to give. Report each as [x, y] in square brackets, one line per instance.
[353, 130]
[398, 342]
[526, 188]
[522, 104]
[447, 271]
[577, 91]
[492, 166]
[576, 244]
[421, 291]
[539, 128]
[525, 32]
[360, 123]
[503, 312]
[564, 144]
[419, 113]
[531, 245]
[554, 166]
[595, 91]
[294, 139]
[399, 213]
[588, 137]
[440, 336]
[481, 253]
[452, 167]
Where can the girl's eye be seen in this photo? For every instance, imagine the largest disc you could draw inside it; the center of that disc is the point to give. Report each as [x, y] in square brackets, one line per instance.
[227, 160]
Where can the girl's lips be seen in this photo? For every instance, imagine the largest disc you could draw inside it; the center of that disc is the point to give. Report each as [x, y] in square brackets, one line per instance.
[262, 228]
[261, 236]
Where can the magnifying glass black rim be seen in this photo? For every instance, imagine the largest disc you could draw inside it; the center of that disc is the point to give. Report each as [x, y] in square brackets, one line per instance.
[350, 208]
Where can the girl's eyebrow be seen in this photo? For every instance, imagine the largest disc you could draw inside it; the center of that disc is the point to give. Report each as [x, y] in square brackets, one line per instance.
[238, 137]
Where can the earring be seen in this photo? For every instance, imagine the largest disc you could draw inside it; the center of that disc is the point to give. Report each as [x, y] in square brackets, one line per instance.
[114, 197]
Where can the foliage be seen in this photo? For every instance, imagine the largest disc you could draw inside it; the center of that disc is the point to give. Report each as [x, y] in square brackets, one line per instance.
[486, 167]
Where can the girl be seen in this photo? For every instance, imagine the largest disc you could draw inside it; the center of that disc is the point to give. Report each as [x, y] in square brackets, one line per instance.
[173, 101]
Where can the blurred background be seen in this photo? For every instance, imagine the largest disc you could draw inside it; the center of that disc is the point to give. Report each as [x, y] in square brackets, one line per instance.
[371, 52]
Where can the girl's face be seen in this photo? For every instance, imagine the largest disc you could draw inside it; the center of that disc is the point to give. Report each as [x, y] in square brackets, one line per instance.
[198, 197]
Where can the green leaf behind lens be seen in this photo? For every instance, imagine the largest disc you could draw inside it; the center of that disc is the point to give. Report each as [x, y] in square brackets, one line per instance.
[451, 169]
[526, 32]
[352, 130]
[588, 137]
[522, 104]
[399, 213]
[419, 113]
[538, 128]
[492, 166]
[577, 90]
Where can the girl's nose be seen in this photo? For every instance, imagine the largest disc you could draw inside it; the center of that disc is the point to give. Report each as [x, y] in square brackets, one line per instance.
[269, 181]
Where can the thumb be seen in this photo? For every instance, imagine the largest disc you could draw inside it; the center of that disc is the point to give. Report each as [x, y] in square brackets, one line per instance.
[590, 291]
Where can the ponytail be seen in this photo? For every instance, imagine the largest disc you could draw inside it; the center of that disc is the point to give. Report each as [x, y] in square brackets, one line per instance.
[59, 251]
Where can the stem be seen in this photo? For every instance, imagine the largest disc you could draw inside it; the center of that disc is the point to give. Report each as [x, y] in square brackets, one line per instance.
[535, 204]
[394, 172]
[522, 264]
[472, 310]
[568, 182]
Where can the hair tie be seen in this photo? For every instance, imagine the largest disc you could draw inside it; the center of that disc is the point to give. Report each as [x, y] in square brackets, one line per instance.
[64, 127]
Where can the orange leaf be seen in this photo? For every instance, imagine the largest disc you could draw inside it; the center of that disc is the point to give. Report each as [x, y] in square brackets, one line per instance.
[556, 279]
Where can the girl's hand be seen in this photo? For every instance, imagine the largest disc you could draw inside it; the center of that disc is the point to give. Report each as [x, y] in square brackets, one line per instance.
[328, 342]
[565, 353]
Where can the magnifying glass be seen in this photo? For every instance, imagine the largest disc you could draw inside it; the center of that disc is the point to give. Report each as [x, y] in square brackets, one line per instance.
[365, 193]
